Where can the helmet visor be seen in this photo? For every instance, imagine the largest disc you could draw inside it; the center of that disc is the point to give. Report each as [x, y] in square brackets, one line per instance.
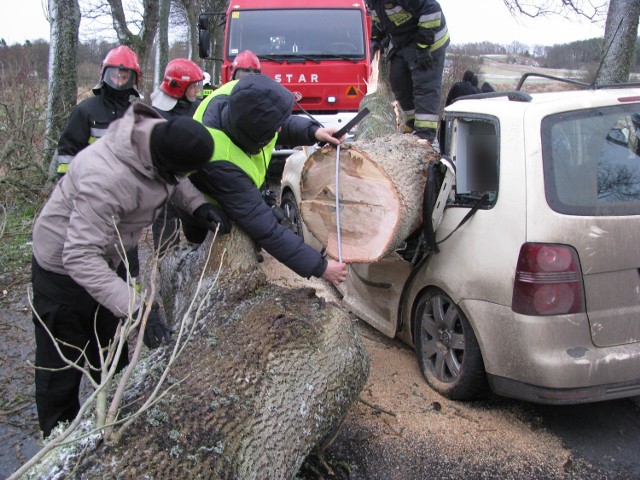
[241, 72]
[193, 91]
[120, 78]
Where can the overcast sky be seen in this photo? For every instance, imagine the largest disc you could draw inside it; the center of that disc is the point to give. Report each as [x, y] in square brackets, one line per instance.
[468, 20]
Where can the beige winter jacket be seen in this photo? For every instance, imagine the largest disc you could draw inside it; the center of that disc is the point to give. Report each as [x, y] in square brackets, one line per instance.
[108, 196]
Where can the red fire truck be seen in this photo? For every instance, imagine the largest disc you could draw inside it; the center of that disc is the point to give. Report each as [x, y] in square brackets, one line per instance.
[318, 49]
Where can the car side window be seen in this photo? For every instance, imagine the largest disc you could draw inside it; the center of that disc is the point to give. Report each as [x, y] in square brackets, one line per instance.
[473, 146]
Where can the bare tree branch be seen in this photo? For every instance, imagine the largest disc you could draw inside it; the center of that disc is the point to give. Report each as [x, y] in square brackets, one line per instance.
[592, 10]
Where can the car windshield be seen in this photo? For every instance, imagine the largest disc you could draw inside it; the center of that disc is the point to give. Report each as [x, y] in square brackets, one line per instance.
[297, 35]
[592, 161]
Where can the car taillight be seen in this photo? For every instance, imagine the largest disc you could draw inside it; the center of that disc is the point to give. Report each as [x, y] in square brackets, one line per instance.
[548, 281]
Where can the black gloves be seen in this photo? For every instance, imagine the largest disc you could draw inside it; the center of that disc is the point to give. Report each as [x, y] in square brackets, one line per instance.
[156, 330]
[281, 216]
[423, 58]
[425, 39]
[210, 216]
[376, 44]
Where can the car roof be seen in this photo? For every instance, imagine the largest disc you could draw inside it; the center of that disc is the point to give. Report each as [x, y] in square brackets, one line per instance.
[517, 102]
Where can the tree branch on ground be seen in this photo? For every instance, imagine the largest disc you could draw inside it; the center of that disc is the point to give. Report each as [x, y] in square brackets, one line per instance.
[107, 419]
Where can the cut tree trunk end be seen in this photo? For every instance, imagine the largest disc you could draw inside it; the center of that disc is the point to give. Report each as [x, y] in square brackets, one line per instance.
[381, 186]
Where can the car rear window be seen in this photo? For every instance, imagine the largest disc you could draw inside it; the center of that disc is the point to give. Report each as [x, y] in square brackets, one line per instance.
[592, 161]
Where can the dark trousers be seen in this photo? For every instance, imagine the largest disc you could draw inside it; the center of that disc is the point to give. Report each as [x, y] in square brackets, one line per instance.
[71, 315]
[417, 90]
[165, 229]
[193, 231]
[134, 265]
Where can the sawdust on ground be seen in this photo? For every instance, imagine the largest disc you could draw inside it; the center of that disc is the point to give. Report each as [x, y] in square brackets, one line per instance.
[402, 429]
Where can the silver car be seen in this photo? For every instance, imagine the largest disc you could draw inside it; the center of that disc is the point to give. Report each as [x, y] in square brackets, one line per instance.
[532, 288]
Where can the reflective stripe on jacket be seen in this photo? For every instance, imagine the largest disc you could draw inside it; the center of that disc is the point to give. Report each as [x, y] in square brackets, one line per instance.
[402, 18]
[88, 122]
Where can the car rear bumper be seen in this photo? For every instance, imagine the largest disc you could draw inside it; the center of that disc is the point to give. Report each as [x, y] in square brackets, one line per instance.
[551, 359]
[561, 396]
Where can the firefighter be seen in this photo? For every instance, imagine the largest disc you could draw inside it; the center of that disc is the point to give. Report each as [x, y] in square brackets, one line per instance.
[207, 88]
[246, 118]
[416, 53]
[119, 81]
[244, 63]
[177, 96]
[110, 193]
[118, 87]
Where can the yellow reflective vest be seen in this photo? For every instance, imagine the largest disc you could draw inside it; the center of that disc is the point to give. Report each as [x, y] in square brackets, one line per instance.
[255, 166]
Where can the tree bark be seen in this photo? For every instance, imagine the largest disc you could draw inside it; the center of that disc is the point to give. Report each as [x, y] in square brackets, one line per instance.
[162, 43]
[380, 189]
[63, 80]
[269, 373]
[380, 184]
[620, 37]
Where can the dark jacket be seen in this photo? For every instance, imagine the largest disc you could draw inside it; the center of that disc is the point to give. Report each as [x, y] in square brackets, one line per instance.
[250, 115]
[462, 88]
[89, 121]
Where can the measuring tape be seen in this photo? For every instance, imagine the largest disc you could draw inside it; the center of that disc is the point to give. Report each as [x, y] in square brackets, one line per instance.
[338, 203]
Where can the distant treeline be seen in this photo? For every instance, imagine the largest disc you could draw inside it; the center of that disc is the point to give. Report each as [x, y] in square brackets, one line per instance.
[572, 55]
[31, 58]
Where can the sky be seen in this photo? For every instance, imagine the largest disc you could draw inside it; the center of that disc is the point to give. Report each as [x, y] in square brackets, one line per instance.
[468, 20]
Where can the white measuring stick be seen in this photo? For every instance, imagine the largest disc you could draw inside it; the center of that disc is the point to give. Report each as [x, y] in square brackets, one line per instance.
[338, 203]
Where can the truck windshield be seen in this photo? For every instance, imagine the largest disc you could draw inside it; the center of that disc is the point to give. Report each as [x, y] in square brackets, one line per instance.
[592, 161]
[284, 35]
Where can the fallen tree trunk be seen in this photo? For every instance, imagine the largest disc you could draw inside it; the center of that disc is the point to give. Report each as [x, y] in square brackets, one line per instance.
[269, 375]
[380, 184]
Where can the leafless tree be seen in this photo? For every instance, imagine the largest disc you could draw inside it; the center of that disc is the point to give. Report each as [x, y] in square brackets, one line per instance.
[64, 18]
[620, 37]
[162, 46]
[621, 28]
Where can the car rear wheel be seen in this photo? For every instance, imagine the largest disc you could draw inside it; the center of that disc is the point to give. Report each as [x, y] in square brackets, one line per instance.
[292, 213]
[447, 349]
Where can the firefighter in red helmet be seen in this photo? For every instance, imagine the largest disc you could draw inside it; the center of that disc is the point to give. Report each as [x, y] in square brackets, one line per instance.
[181, 86]
[244, 63]
[119, 80]
[177, 96]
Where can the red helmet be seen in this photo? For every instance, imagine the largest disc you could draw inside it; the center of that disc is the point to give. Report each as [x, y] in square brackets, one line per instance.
[179, 74]
[245, 61]
[122, 58]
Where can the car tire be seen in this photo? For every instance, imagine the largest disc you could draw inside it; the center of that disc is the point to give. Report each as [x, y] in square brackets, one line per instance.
[292, 213]
[447, 349]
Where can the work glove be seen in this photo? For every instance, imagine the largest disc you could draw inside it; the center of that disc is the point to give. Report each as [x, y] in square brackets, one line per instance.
[423, 58]
[376, 44]
[156, 331]
[281, 216]
[269, 197]
[210, 216]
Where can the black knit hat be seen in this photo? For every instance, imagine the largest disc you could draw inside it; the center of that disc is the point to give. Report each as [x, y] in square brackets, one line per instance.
[180, 145]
